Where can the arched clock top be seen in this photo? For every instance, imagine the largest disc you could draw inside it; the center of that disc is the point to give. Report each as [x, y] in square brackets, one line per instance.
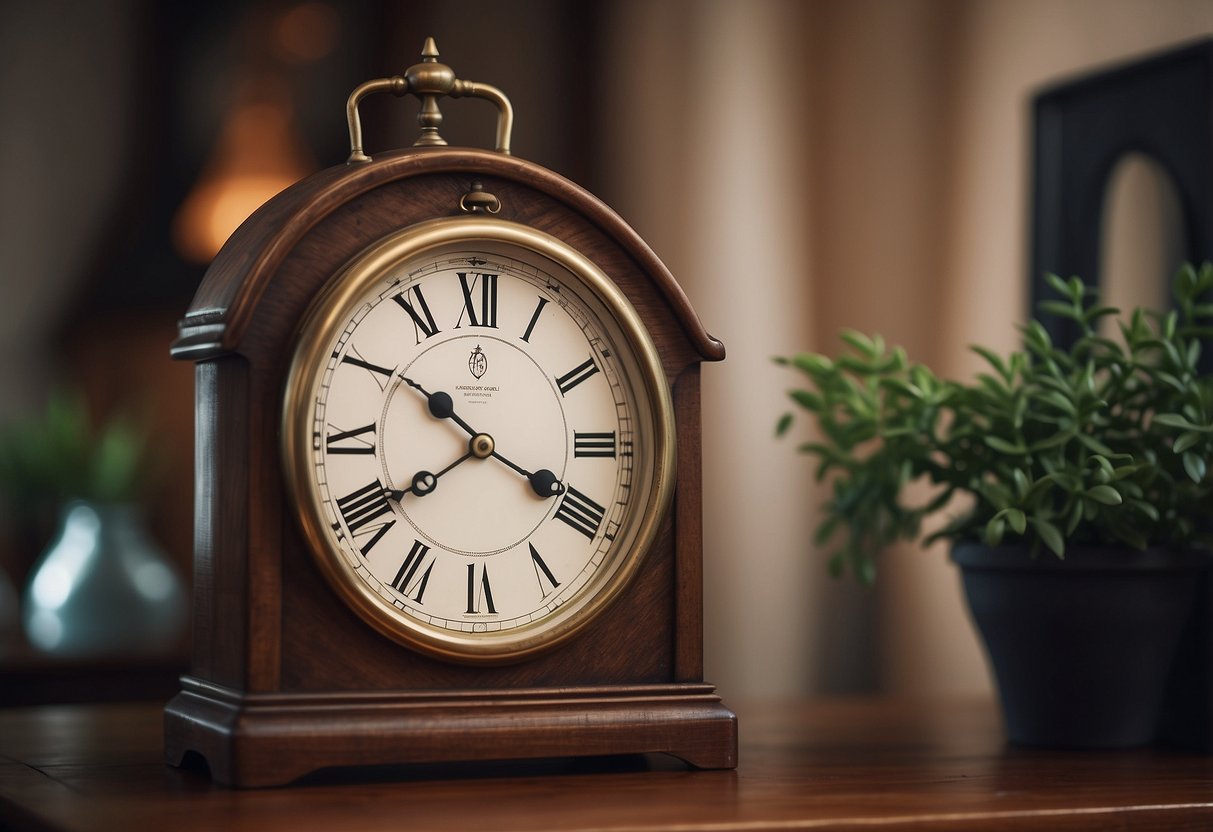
[236, 283]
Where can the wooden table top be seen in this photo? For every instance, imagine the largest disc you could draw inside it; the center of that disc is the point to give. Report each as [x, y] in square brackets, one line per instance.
[809, 765]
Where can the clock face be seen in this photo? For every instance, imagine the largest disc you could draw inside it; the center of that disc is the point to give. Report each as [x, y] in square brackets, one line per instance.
[478, 438]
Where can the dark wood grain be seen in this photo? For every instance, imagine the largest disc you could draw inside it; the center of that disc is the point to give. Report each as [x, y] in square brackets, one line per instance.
[688, 519]
[270, 740]
[223, 307]
[804, 765]
[274, 643]
[221, 635]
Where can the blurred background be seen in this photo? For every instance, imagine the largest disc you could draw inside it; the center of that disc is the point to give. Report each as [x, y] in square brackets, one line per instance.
[800, 165]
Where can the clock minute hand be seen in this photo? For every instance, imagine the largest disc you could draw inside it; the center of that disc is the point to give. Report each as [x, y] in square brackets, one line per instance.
[424, 482]
[543, 482]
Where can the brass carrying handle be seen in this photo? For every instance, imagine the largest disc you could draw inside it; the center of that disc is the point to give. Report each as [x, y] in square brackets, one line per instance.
[429, 81]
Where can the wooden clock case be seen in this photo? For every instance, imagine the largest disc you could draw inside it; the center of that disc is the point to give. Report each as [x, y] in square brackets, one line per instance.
[285, 678]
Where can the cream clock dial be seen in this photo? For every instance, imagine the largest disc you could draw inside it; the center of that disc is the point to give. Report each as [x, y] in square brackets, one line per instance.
[478, 433]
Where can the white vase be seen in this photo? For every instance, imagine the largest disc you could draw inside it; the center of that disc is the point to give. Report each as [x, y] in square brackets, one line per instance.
[103, 588]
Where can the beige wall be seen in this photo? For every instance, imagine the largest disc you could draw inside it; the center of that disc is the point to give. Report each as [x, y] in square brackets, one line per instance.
[716, 179]
[825, 165]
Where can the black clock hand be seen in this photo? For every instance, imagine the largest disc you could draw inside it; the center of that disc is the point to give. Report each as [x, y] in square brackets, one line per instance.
[441, 406]
[424, 482]
[543, 482]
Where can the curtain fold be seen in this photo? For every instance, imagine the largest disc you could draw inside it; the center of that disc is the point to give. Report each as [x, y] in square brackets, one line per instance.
[808, 166]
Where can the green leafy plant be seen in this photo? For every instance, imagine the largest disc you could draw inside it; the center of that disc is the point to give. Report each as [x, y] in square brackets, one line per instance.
[1107, 441]
[58, 455]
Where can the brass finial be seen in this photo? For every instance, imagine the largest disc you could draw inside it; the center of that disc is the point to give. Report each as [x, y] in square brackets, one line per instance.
[429, 81]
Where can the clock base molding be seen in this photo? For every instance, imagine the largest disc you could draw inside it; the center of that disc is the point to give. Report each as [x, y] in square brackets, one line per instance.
[271, 739]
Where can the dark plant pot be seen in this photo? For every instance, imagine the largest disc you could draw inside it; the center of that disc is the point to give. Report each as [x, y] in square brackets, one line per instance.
[1081, 648]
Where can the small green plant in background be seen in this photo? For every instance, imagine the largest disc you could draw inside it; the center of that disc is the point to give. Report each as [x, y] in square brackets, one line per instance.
[58, 455]
[1106, 441]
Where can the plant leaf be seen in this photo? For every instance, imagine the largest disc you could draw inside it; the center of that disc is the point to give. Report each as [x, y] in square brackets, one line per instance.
[1097, 312]
[1176, 420]
[812, 364]
[1145, 508]
[1186, 441]
[1015, 518]
[1049, 534]
[1059, 401]
[1057, 284]
[1061, 309]
[861, 343]
[1020, 479]
[1003, 446]
[808, 400]
[994, 531]
[1105, 494]
[1095, 445]
[994, 361]
[1195, 466]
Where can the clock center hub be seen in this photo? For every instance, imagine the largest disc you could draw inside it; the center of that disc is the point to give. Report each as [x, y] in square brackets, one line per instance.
[481, 446]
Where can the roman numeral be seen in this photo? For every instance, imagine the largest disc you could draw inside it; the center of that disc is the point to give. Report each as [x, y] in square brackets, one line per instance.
[576, 375]
[542, 573]
[407, 580]
[580, 512]
[361, 507]
[594, 445]
[423, 321]
[479, 591]
[488, 300]
[334, 441]
[354, 359]
[526, 336]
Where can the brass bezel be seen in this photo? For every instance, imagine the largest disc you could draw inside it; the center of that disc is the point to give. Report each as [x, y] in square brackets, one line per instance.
[326, 317]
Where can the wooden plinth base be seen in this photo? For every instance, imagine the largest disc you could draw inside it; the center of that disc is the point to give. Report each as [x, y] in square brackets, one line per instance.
[252, 740]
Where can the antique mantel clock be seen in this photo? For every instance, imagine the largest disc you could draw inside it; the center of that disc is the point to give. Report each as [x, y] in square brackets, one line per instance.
[448, 487]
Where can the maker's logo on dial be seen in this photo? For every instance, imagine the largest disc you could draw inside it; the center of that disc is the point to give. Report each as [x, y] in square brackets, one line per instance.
[478, 363]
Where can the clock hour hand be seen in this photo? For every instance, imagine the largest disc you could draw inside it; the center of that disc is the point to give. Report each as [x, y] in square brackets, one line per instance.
[441, 405]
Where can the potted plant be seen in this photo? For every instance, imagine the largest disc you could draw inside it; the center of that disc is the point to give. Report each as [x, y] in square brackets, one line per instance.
[102, 587]
[1077, 479]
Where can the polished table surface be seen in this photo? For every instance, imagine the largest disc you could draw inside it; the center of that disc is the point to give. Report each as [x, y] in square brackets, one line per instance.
[830, 764]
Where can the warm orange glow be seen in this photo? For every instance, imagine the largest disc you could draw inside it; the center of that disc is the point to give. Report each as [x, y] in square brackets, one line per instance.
[217, 208]
[307, 32]
[256, 156]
